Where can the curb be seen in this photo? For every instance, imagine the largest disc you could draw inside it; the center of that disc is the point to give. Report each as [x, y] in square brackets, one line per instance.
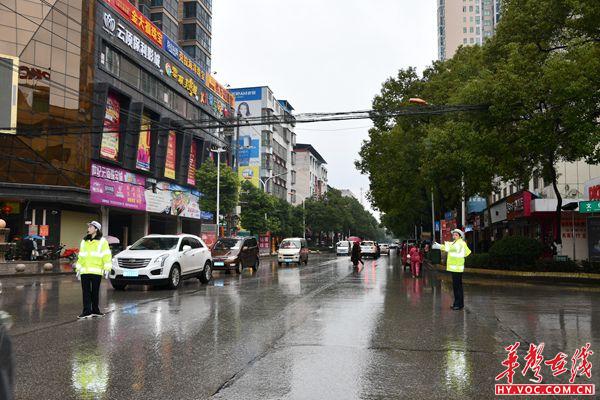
[31, 275]
[558, 277]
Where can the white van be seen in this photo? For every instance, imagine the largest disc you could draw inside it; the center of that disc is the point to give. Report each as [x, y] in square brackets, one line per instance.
[293, 250]
[343, 248]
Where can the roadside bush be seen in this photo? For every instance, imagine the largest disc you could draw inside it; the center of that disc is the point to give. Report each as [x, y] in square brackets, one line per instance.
[478, 260]
[557, 266]
[591, 267]
[515, 251]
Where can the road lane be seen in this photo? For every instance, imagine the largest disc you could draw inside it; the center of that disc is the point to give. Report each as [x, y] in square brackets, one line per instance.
[320, 331]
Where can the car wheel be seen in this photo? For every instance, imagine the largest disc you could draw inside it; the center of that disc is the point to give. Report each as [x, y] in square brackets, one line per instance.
[280, 263]
[256, 264]
[239, 268]
[206, 274]
[118, 286]
[174, 277]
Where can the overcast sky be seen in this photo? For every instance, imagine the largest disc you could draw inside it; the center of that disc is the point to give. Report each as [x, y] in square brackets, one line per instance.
[322, 56]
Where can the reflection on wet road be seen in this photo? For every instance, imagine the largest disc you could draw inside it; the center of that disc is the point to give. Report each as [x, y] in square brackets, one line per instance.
[315, 332]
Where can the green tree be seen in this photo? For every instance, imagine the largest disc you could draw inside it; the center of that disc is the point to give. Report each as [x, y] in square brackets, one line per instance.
[206, 182]
[257, 209]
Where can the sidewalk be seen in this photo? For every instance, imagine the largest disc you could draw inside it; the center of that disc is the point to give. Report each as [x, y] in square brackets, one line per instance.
[35, 268]
[550, 277]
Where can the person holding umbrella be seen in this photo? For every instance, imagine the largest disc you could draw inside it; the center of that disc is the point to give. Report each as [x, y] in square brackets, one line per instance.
[457, 252]
[94, 260]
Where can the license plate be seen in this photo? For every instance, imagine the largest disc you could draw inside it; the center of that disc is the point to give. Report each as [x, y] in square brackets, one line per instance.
[219, 263]
[288, 260]
[130, 273]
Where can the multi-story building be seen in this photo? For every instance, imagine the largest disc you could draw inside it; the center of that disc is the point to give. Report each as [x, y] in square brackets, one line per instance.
[104, 123]
[465, 22]
[189, 22]
[266, 145]
[311, 173]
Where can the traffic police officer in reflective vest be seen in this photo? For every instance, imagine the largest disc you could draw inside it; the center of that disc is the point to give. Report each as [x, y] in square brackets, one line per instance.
[94, 260]
[457, 252]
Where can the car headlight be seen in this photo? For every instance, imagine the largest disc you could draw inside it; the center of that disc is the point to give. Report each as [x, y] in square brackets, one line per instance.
[230, 259]
[160, 260]
[115, 262]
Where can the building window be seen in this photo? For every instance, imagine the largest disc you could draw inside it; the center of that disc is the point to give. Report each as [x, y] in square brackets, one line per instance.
[464, 29]
[478, 30]
[470, 8]
[112, 60]
[189, 31]
[189, 9]
[471, 40]
[464, 40]
[471, 30]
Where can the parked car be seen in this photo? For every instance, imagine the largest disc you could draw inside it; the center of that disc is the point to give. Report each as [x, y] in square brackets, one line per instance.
[368, 248]
[293, 250]
[384, 248]
[343, 248]
[235, 253]
[394, 245]
[162, 260]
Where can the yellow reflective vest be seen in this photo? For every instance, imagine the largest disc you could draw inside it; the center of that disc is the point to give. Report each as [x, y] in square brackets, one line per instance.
[94, 257]
[457, 252]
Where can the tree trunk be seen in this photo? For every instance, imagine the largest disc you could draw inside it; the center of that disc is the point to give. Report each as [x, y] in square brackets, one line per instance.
[558, 212]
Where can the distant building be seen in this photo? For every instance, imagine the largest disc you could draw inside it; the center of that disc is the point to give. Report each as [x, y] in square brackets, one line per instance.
[347, 193]
[311, 173]
[266, 151]
[465, 22]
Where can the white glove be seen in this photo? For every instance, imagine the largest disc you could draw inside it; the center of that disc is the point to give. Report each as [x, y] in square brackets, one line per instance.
[436, 246]
[78, 274]
[106, 274]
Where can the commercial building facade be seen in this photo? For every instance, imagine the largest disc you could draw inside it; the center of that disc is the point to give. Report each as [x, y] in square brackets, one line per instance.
[311, 173]
[266, 140]
[111, 123]
[465, 22]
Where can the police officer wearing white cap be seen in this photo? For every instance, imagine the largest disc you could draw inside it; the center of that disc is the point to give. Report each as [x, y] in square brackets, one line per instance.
[457, 252]
[93, 261]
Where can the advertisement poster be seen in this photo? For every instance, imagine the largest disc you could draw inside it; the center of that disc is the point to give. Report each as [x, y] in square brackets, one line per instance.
[209, 234]
[191, 178]
[109, 147]
[250, 173]
[143, 151]
[249, 150]
[111, 186]
[264, 243]
[173, 199]
[171, 152]
[44, 230]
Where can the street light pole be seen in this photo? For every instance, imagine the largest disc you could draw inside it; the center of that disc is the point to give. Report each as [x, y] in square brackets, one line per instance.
[264, 183]
[237, 142]
[432, 217]
[218, 151]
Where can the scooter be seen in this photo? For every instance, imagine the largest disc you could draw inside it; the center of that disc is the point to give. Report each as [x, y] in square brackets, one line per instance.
[51, 252]
[71, 254]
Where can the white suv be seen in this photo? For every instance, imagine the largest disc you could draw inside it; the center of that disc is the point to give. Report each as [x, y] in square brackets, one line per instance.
[369, 248]
[162, 260]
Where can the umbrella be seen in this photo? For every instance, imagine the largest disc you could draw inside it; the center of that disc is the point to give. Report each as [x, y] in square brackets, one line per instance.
[37, 237]
[112, 240]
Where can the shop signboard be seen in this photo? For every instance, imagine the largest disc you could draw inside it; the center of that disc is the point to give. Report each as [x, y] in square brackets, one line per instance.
[476, 204]
[264, 243]
[109, 147]
[589, 206]
[191, 178]
[249, 150]
[143, 151]
[220, 90]
[518, 205]
[116, 187]
[134, 16]
[185, 82]
[173, 49]
[247, 94]
[172, 199]
[593, 229]
[170, 161]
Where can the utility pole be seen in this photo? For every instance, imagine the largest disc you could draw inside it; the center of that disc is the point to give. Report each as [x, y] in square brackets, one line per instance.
[237, 142]
[303, 219]
[432, 217]
[218, 151]
[463, 212]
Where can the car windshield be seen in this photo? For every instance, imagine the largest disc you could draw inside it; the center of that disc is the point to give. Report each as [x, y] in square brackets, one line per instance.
[367, 244]
[290, 244]
[228, 244]
[155, 243]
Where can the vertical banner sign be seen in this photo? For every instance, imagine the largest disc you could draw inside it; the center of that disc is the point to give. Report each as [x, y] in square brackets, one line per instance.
[170, 160]
[109, 147]
[143, 151]
[191, 178]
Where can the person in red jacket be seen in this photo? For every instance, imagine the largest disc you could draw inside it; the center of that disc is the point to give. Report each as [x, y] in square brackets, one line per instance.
[416, 258]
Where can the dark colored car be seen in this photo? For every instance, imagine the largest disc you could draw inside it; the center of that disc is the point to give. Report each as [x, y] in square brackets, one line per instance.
[235, 253]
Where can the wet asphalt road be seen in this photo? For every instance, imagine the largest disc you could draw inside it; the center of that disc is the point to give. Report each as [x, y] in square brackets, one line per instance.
[314, 332]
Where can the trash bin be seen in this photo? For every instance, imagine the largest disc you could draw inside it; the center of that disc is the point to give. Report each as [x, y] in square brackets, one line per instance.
[435, 256]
